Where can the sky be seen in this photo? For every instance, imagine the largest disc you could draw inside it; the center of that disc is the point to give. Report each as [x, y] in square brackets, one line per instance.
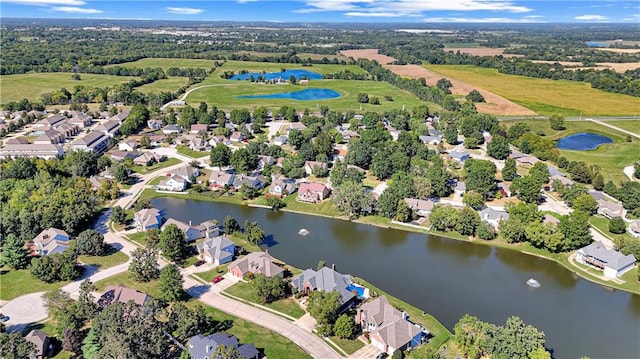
[417, 11]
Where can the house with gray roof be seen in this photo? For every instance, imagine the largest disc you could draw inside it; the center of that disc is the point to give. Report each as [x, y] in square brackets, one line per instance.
[459, 156]
[201, 347]
[388, 328]
[217, 250]
[191, 233]
[420, 207]
[611, 262]
[189, 173]
[493, 216]
[256, 182]
[46, 151]
[281, 187]
[430, 140]
[148, 218]
[49, 241]
[256, 263]
[171, 129]
[610, 209]
[43, 344]
[119, 293]
[634, 228]
[325, 280]
[221, 179]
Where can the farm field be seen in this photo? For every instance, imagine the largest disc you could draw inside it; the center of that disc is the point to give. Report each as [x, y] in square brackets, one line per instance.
[252, 66]
[611, 157]
[170, 84]
[166, 63]
[544, 96]
[33, 85]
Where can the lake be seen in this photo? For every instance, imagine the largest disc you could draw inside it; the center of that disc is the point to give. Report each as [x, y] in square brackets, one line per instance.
[285, 75]
[304, 95]
[583, 141]
[449, 278]
[597, 44]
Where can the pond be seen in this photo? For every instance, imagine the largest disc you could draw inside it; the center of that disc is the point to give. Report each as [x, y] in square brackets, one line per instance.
[582, 141]
[285, 75]
[597, 44]
[449, 278]
[303, 95]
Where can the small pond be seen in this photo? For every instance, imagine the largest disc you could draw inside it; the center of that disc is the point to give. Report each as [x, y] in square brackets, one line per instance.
[304, 95]
[582, 141]
[597, 44]
[285, 75]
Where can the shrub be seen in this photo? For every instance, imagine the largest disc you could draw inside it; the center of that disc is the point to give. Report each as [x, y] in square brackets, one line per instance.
[617, 225]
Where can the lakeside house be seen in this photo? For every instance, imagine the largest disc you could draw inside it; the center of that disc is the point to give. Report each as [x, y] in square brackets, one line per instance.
[221, 179]
[281, 187]
[187, 172]
[148, 218]
[256, 263]
[122, 294]
[191, 233]
[420, 207]
[201, 347]
[611, 262]
[217, 250]
[173, 183]
[312, 192]
[493, 216]
[388, 328]
[325, 280]
[49, 241]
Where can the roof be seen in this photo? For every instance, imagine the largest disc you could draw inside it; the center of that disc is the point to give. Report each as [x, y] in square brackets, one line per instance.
[564, 180]
[313, 164]
[325, 280]
[458, 155]
[312, 187]
[257, 262]
[380, 312]
[461, 186]
[185, 171]
[420, 204]
[113, 293]
[39, 339]
[221, 177]
[609, 257]
[214, 247]
[172, 128]
[199, 127]
[50, 234]
[611, 206]
[635, 226]
[201, 347]
[90, 138]
[148, 217]
[547, 218]
[490, 214]
[398, 333]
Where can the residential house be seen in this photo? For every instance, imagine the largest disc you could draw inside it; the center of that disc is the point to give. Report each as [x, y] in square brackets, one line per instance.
[325, 280]
[562, 179]
[236, 137]
[49, 122]
[189, 173]
[219, 139]
[280, 140]
[610, 209]
[634, 228]
[154, 124]
[430, 140]
[265, 161]
[80, 119]
[388, 328]
[309, 166]
[217, 250]
[128, 145]
[312, 192]
[221, 179]
[459, 156]
[255, 263]
[255, 182]
[523, 159]
[173, 183]
[46, 151]
[66, 128]
[42, 342]
[208, 229]
[148, 218]
[49, 241]
[171, 129]
[201, 347]
[195, 129]
[198, 144]
[109, 128]
[549, 219]
[281, 187]
[494, 217]
[50, 137]
[554, 171]
[504, 189]
[191, 233]
[123, 155]
[460, 188]
[148, 158]
[94, 141]
[119, 293]
[156, 140]
[420, 207]
[611, 262]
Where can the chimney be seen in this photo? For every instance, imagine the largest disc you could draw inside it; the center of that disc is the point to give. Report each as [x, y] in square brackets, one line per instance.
[190, 223]
[333, 267]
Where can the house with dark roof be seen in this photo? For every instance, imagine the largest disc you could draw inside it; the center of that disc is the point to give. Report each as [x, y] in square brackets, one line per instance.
[119, 293]
[255, 263]
[44, 346]
[388, 328]
[460, 157]
[217, 250]
[49, 241]
[201, 347]
[325, 280]
[611, 262]
[148, 218]
[420, 207]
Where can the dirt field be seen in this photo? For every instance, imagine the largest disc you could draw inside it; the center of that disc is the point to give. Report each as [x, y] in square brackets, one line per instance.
[622, 51]
[622, 67]
[371, 54]
[482, 51]
[617, 67]
[495, 105]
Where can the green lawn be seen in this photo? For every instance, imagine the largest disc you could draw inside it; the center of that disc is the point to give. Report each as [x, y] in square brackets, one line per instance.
[324, 208]
[166, 63]
[629, 125]
[544, 96]
[115, 258]
[286, 306]
[186, 151]
[139, 237]
[32, 85]
[348, 345]
[171, 84]
[602, 224]
[125, 279]
[15, 283]
[156, 166]
[156, 181]
[209, 275]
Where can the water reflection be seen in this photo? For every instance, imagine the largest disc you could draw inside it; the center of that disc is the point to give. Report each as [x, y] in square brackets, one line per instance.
[537, 265]
[458, 249]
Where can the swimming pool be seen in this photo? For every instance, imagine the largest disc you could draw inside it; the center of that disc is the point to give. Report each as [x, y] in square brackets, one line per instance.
[358, 289]
[303, 95]
[285, 75]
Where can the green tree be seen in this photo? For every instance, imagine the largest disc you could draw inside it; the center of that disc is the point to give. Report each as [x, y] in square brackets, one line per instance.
[598, 182]
[513, 230]
[90, 242]
[72, 341]
[545, 236]
[231, 226]
[118, 215]
[121, 173]
[240, 116]
[540, 172]
[56, 267]
[527, 189]
[14, 252]
[352, 199]
[63, 310]
[475, 96]
[498, 148]
[480, 176]
[324, 307]
[243, 161]
[486, 231]
[253, 232]
[524, 212]
[145, 142]
[509, 171]
[173, 243]
[617, 225]
[439, 177]
[401, 186]
[403, 212]
[345, 327]
[14, 346]
[556, 122]
[186, 322]
[576, 230]
[473, 200]
[585, 203]
[268, 289]
[451, 135]
[171, 282]
[144, 265]
[468, 221]
[220, 155]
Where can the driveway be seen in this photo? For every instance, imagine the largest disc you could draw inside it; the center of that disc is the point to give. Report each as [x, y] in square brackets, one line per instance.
[367, 352]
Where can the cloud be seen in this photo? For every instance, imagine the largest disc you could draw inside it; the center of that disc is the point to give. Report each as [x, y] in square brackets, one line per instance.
[391, 8]
[47, 2]
[483, 19]
[591, 18]
[76, 10]
[245, 1]
[184, 10]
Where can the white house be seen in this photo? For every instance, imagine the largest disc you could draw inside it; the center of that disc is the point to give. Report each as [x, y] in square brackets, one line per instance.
[191, 233]
[173, 183]
[612, 262]
[494, 217]
[217, 250]
[171, 129]
[634, 228]
[129, 145]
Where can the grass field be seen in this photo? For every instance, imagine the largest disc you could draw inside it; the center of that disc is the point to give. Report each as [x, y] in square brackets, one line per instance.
[20, 282]
[170, 84]
[544, 96]
[286, 306]
[611, 157]
[33, 85]
[115, 258]
[166, 63]
[629, 125]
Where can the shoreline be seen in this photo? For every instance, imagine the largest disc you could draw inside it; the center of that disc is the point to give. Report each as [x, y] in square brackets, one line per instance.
[360, 220]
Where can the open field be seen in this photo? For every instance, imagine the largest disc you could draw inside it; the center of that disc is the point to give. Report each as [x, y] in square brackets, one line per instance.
[495, 104]
[166, 63]
[544, 96]
[33, 85]
[611, 157]
[371, 54]
[252, 66]
[621, 51]
[171, 84]
[617, 67]
[20, 282]
[480, 51]
[287, 306]
[629, 125]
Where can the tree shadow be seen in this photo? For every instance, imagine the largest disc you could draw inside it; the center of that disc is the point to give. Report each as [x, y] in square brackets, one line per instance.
[223, 325]
[198, 291]
[269, 241]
